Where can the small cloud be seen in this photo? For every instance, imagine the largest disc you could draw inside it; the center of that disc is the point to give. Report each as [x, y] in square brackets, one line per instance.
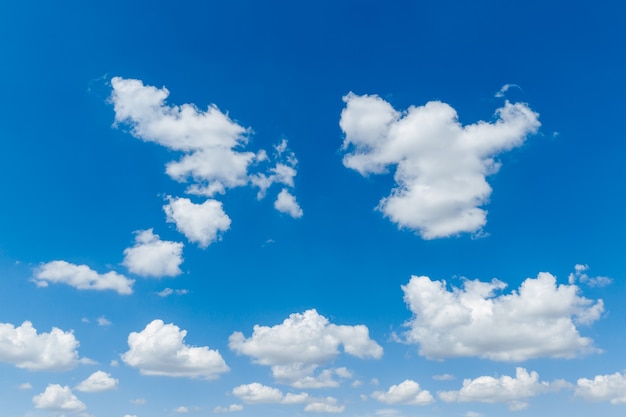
[84, 320]
[97, 382]
[286, 203]
[168, 291]
[580, 275]
[231, 408]
[181, 410]
[153, 257]
[25, 386]
[443, 377]
[506, 87]
[139, 401]
[102, 321]
[114, 363]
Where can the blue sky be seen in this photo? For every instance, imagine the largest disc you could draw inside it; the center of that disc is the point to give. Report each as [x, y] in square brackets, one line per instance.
[278, 208]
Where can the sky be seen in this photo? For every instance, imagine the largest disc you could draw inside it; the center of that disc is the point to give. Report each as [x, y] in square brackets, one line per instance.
[354, 208]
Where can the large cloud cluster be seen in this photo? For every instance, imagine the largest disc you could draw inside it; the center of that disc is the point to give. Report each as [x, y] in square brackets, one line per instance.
[212, 156]
[537, 320]
[440, 165]
[303, 342]
[23, 347]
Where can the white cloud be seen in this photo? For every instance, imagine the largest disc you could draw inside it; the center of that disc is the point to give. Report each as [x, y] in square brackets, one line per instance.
[103, 321]
[58, 398]
[97, 382]
[538, 320]
[515, 391]
[603, 388]
[24, 348]
[208, 138]
[159, 349]
[212, 145]
[82, 277]
[506, 87]
[440, 165]
[25, 386]
[407, 392]
[153, 257]
[201, 223]
[138, 401]
[443, 377]
[580, 275]
[325, 405]
[256, 393]
[181, 410]
[168, 291]
[286, 203]
[231, 408]
[303, 342]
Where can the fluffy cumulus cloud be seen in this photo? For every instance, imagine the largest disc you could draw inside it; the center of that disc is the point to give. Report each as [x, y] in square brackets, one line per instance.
[286, 203]
[515, 391]
[603, 388]
[153, 257]
[23, 347]
[256, 393]
[211, 145]
[60, 399]
[303, 342]
[407, 392]
[97, 382]
[201, 223]
[441, 167]
[537, 320]
[325, 405]
[81, 277]
[159, 349]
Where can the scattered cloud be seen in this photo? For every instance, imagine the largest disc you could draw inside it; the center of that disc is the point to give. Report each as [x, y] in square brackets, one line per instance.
[231, 408]
[603, 388]
[153, 257]
[23, 347]
[169, 291]
[303, 342]
[200, 223]
[103, 321]
[515, 391]
[407, 392]
[256, 393]
[58, 398]
[25, 386]
[208, 139]
[443, 377]
[159, 349]
[138, 401]
[505, 88]
[440, 166]
[537, 320]
[81, 277]
[286, 203]
[325, 405]
[580, 275]
[212, 145]
[97, 382]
